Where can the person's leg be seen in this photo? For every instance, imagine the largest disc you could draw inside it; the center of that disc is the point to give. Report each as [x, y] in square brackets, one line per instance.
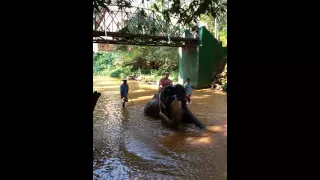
[124, 100]
[188, 99]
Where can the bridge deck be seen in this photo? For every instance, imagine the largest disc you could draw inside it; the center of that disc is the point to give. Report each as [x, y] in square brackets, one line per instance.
[142, 39]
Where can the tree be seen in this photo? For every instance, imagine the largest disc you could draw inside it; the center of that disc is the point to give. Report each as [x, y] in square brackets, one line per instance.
[187, 13]
[222, 26]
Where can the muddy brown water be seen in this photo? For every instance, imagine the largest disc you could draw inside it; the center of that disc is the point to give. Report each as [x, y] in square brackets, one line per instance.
[129, 145]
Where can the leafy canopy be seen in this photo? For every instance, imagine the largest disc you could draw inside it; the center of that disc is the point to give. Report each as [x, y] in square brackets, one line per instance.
[187, 13]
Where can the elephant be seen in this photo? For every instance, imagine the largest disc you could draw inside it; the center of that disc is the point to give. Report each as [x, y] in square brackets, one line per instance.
[170, 105]
[96, 96]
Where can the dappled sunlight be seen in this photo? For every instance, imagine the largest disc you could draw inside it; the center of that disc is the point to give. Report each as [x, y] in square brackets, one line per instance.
[203, 90]
[147, 92]
[147, 86]
[107, 87]
[180, 138]
[141, 90]
[197, 97]
[142, 98]
[200, 140]
[210, 91]
[99, 78]
[106, 83]
[219, 92]
[217, 129]
[200, 96]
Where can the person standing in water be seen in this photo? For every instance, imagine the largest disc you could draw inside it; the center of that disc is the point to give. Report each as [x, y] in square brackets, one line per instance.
[165, 81]
[124, 90]
[187, 87]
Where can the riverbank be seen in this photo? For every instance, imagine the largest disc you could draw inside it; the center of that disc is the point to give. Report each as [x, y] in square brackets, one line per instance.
[220, 81]
[144, 64]
[141, 83]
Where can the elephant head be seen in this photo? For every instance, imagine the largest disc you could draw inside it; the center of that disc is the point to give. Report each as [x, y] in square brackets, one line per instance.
[171, 106]
[173, 102]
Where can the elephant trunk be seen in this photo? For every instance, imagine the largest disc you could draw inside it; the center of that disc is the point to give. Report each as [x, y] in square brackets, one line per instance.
[176, 112]
[165, 118]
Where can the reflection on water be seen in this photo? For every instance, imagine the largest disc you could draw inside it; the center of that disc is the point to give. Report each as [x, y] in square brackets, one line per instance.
[129, 145]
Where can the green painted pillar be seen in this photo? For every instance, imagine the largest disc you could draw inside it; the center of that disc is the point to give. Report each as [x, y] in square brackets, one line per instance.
[201, 63]
[188, 65]
[211, 58]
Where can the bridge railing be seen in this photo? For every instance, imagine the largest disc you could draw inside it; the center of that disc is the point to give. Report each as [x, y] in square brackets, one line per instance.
[139, 21]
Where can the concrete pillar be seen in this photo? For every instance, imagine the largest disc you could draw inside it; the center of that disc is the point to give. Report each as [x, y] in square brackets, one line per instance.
[207, 59]
[188, 65]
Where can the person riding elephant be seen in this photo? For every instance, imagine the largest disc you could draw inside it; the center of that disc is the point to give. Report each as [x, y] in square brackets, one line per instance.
[165, 81]
[170, 105]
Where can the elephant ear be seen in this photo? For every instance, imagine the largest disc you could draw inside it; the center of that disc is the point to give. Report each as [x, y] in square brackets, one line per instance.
[180, 91]
[177, 90]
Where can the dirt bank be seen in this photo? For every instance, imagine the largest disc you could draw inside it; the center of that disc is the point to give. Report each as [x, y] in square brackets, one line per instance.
[220, 80]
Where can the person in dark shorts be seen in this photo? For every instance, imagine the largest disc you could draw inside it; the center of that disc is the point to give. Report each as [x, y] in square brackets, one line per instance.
[124, 89]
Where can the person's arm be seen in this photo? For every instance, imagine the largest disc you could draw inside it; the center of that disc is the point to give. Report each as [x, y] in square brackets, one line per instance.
[171, 83]
[160, 84]
[127, 88]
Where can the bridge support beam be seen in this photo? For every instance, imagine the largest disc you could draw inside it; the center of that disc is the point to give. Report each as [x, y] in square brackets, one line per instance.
[188, 65]
[201, 64]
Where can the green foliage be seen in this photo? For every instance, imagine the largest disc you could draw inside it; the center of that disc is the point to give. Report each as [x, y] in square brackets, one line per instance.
[116, 73]
[223, 37]
[102, 61]
[140, 23]
[188, 14]
[147, 63]
[222, 26]
[150, 62]
[209, 20]
[175, 76]
[225, 87]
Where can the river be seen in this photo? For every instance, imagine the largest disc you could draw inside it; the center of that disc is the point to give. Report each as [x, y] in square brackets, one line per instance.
[129, 145]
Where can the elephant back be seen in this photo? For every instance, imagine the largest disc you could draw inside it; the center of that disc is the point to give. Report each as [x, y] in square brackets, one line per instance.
[152, 107]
